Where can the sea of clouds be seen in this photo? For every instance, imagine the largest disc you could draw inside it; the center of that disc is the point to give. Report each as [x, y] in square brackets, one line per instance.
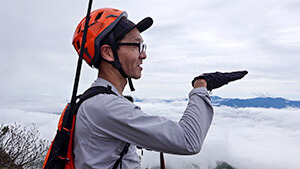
[246, 138]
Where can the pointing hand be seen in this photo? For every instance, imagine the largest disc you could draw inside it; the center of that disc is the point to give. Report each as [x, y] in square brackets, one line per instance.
[218, 79]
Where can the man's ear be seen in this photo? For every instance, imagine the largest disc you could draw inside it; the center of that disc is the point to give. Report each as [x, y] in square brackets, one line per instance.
[107, 53]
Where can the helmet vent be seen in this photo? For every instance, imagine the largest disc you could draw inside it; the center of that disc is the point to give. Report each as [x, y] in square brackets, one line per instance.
[78, 44]
[79, 29]
[98, 16]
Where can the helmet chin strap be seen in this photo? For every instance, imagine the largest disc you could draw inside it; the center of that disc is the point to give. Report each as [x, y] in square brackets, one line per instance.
[116, 63]
[130, 84]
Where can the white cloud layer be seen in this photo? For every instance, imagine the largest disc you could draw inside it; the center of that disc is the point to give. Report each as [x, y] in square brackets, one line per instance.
[246, 138]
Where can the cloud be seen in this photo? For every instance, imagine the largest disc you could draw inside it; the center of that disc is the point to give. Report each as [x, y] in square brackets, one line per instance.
[243, 137]
[46, 123]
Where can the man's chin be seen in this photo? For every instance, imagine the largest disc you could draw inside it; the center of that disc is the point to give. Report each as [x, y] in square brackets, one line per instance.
[137, 77]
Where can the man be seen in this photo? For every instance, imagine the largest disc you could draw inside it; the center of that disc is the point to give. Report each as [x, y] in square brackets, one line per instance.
[108, 123]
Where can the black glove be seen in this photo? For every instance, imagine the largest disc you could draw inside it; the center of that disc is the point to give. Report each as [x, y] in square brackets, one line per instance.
[218, 79]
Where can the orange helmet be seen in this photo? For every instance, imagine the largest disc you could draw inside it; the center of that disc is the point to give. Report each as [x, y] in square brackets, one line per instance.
[102, 21]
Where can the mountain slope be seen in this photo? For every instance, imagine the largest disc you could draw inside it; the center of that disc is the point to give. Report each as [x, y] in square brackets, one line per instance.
[265, 102]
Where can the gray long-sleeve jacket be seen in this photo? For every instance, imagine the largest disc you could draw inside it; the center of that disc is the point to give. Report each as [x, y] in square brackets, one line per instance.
[105, 122]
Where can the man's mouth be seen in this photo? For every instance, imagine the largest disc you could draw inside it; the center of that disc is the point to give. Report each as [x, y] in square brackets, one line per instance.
[140, 66]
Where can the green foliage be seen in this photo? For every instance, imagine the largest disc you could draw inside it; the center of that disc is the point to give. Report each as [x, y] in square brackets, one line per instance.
[223, 165]
[21, 147]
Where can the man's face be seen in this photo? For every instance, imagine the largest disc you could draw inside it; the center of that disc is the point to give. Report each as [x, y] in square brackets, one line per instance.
[129, 55]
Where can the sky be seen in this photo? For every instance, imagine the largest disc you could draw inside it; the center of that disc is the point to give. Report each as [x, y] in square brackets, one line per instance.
[38, 63]
[188, 38]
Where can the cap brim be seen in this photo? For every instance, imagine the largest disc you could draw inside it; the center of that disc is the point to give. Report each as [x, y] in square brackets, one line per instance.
[124, 26]
[144, 24]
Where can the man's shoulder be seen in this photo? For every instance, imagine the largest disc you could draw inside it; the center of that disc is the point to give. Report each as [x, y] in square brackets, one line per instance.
[103, 108]
[108, 102]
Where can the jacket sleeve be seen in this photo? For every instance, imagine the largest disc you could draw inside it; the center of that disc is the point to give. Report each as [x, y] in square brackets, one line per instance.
[127, 122]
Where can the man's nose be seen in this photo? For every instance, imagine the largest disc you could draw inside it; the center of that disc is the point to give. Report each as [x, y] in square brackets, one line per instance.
[143, 55]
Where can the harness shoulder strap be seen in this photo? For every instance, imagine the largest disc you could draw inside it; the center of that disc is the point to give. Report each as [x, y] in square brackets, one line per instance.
[93, 91]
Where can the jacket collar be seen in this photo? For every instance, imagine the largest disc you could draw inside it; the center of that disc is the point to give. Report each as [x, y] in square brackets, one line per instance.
[102, 82]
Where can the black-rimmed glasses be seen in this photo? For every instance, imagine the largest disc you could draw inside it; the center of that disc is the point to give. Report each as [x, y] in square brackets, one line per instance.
[142, 46]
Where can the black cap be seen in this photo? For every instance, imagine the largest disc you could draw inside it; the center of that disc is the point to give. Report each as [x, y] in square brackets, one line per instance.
[124, 26]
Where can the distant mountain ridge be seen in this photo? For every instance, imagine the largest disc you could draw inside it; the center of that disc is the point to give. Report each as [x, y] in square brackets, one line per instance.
[262, 102]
